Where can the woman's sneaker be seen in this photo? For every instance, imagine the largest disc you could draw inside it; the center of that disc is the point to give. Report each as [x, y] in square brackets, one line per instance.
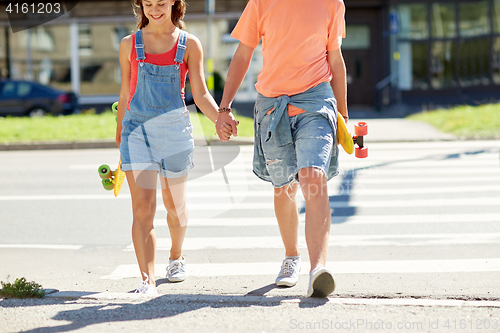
[176, 270]
[146, 288]
[289, 273]
[321, 282]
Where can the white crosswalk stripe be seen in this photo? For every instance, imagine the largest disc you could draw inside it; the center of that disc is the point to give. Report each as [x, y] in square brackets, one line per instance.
[448, 191]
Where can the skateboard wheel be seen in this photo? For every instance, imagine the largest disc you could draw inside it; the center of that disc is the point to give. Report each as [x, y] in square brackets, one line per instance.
[105, 171]
[361, 152]
[114, 107]
[108, 184]
[361, 129]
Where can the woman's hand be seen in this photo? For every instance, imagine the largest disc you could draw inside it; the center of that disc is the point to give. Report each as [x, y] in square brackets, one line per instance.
[226, 125]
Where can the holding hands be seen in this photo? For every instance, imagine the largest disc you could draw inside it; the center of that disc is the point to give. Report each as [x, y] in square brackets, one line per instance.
[226, 124]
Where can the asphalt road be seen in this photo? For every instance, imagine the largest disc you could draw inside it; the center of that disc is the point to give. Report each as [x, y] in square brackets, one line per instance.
[415, 236]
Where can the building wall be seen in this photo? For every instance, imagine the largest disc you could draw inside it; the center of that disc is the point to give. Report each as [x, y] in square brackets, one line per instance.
[102, 24]
[447, 50]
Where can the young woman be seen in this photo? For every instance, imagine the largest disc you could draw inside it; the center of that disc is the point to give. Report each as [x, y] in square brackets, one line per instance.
[302, 89]
[154, 131]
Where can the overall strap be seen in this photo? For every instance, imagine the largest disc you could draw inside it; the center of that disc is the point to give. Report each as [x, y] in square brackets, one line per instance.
[181, 47]
[139, 46]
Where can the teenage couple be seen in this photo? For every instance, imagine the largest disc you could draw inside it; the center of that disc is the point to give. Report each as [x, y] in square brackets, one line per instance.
[302, 90]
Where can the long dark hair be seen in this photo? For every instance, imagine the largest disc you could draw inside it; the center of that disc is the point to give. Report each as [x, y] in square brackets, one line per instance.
[178, 11]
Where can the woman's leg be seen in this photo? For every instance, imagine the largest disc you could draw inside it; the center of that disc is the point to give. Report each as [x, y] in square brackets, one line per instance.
[143, 208]
[174, 199]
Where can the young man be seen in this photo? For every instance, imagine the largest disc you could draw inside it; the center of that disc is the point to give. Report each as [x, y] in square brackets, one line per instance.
[302, 88]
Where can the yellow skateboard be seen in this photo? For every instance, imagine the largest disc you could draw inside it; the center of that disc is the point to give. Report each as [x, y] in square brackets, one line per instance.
[112, 180]
[347, 141]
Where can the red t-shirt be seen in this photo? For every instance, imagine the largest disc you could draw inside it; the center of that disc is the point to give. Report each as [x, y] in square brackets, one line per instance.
[161, 59]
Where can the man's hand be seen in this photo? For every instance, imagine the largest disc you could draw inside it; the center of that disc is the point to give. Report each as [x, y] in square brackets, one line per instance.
[226, 126]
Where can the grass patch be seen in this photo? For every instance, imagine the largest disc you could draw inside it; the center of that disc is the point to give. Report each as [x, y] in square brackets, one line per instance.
[21, 289]
[50, 128]
[465, 122]
[91, 127]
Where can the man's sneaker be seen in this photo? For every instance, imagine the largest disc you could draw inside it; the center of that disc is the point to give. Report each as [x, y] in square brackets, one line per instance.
[146, 288]
[289, 274]
[176, 270]
[321, 282]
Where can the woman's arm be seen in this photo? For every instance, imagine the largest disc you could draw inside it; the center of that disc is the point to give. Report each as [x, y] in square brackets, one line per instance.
[201, 95]
[339, 82]
[124, 56]
[235, 75]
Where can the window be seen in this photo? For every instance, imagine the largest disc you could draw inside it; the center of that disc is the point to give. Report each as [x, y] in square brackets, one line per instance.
[413, 21]
[473, 62]
[85, 39]
[474, 19]
[8, 90]
[495, 63]
[443, 64]
[357, 37]
[443, 20]
[462, 48]
[496, 16]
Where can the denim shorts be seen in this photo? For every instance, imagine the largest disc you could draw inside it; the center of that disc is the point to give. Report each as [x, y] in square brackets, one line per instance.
[164, 144]
[312, 146]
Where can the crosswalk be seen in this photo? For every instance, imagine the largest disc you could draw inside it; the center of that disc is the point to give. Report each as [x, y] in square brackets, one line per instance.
[405, 197]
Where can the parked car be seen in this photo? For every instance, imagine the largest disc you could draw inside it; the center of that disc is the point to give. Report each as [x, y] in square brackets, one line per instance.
[28, 98]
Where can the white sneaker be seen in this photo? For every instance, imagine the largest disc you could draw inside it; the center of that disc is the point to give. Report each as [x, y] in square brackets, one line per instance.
[289, 274]
[176, 270]
[321, 282]
[146, 288]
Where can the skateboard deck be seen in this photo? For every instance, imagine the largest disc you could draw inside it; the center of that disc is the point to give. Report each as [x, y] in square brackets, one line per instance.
[349, 142]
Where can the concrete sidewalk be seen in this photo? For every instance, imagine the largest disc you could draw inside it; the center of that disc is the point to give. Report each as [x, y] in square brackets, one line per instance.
[379, 130]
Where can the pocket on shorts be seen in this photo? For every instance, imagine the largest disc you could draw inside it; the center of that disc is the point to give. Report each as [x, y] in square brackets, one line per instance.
[158, 91]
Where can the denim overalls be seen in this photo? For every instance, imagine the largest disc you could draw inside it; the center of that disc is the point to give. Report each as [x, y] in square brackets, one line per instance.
[157, 131]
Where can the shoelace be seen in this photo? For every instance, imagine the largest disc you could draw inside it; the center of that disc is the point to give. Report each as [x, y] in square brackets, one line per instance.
[287, 267]
[144, 285]
[175, 267]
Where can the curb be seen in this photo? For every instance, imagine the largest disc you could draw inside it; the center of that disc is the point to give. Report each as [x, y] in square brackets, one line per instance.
[252, 299]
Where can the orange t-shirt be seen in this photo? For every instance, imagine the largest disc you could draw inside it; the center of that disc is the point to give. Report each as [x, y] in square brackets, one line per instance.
[296, 35]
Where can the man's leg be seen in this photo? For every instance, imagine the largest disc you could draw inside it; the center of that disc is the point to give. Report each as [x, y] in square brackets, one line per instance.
[287, 215]
[318, 218]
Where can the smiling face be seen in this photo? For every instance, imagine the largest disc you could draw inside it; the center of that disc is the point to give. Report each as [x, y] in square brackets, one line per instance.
[158, 11]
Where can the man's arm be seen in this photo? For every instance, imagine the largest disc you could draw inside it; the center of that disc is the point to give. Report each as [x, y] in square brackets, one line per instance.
[338, 82]
[235, 75]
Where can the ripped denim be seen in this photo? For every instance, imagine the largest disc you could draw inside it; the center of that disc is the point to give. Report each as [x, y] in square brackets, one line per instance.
[313, 144]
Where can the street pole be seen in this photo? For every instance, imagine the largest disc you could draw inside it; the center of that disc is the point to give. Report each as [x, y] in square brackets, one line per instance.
[210, 11]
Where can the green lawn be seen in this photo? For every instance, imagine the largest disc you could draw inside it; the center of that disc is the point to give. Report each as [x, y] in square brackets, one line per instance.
[465, 122]
[91, 127]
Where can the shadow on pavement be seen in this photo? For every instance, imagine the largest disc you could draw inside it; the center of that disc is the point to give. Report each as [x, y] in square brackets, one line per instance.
[116, 309]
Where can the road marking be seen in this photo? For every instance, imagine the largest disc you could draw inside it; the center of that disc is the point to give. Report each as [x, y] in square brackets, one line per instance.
[275, 242]
[337, 267]
[352, 187]
[490, 201]
[40, 246]
[356, 219]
